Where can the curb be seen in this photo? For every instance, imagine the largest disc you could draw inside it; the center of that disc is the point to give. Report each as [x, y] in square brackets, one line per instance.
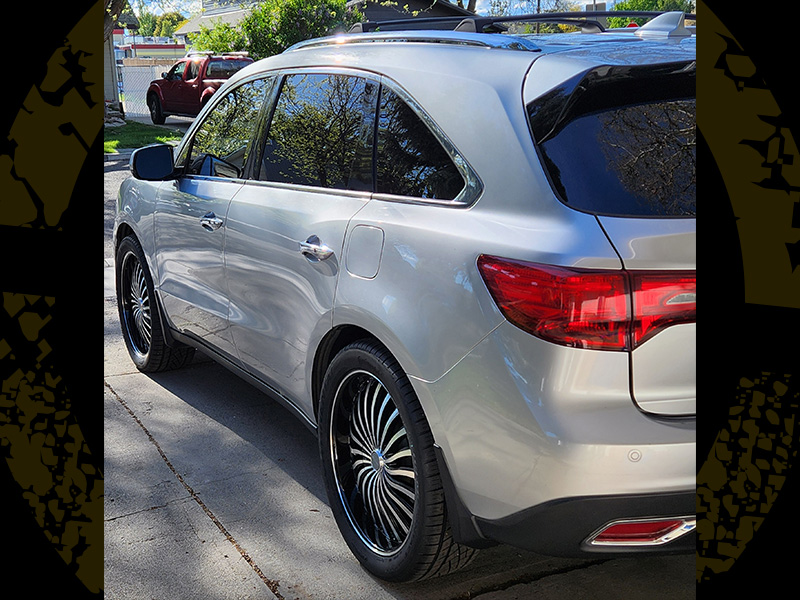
[122, 154]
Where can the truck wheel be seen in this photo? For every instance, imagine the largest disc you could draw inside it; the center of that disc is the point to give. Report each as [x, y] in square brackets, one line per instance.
[156, 114]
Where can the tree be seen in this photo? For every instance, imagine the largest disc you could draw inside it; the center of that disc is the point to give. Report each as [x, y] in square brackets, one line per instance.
[498, 8]
[273, 25]
[532, 7]
[147, 19]
[222, 37]
[686, 6]
[167, 23]
[114, 10]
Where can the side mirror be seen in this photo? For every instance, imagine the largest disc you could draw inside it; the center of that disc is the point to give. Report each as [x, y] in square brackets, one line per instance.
[164, 75]
[152, 163]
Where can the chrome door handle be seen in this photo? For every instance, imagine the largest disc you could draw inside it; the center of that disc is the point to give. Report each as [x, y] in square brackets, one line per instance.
[211, 222]
[314, 250]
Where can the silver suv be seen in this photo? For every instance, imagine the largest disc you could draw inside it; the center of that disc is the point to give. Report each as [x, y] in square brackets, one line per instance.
[466, 260]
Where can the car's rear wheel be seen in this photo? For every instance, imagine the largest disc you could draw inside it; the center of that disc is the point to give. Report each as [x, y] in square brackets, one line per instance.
[156, 112]
[380, 470]
[139, 314]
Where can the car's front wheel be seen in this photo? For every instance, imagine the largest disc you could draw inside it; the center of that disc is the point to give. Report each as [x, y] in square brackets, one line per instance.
[139, 314]
[380, 470]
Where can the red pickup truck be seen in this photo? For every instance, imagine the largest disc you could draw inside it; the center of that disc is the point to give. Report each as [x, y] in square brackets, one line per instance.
[187, 86]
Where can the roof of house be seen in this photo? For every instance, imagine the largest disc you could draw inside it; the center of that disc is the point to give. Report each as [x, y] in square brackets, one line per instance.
[231, 17]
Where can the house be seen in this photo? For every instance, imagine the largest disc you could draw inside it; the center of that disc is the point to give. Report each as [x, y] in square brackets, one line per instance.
[148, 47]
[214, 11]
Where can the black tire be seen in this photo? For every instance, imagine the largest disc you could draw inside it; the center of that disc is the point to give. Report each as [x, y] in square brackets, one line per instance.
[156, 113]
[139, 314]
[380, 471]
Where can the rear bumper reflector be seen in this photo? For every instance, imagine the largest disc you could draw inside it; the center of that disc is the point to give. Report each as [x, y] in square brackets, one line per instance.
[642, 532]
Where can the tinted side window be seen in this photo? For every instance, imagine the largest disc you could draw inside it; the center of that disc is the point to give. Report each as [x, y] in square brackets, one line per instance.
[410, 160]
[221, 143]
[321, 132]
[177, 71]
[192, 70]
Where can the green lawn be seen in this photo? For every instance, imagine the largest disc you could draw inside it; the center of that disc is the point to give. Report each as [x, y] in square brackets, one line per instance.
[137, 135]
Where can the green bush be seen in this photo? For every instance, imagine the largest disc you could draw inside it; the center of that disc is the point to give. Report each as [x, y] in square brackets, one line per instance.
[686, 6]
[222, 37]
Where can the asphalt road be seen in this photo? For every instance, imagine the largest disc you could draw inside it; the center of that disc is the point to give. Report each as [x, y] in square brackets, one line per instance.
[214, 491]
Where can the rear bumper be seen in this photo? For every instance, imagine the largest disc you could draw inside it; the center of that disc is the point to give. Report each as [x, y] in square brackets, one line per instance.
[541, 446]
[562, 527]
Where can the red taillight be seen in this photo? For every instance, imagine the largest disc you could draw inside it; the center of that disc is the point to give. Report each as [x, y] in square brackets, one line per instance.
[589, 308]
[661, 299]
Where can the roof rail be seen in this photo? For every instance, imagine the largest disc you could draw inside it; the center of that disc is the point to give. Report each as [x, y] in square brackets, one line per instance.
[493, 24]
[460, 38]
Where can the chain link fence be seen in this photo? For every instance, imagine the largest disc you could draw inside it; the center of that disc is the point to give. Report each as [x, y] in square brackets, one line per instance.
[135, 77]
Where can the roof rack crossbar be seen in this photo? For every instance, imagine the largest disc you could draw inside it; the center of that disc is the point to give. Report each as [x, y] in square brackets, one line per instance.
[367, 26]
[488, 24]
[484, 24]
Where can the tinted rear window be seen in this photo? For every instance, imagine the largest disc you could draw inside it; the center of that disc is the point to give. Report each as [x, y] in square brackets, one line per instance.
[224, 68]
[622, 159]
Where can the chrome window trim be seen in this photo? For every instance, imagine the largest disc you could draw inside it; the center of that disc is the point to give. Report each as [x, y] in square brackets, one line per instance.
[298, 187]
[195, 177]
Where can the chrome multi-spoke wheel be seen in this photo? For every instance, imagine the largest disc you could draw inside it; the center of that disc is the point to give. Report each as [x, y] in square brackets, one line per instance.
[139, 316]
[372, 459]
[380, 468]
[136, 305]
